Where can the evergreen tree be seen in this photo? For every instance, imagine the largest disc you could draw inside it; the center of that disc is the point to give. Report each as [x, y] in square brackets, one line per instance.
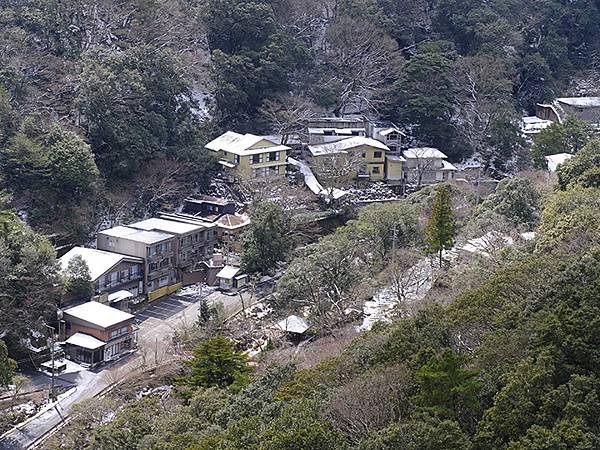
[439, 232]
[79, 281]
[217, 363]
[7, 366]
[267, 241]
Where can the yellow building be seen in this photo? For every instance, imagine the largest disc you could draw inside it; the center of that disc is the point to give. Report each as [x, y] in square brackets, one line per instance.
[361, 156]
[247, 156]
[394, 169]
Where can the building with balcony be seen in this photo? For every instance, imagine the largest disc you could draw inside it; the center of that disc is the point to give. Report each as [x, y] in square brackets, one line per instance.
[95, 333]
[247, 156]
[194, 242]
[156, 248]
[109, 272]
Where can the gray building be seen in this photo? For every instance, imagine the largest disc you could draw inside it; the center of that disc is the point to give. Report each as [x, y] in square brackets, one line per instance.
[194, 243]
[156, 248]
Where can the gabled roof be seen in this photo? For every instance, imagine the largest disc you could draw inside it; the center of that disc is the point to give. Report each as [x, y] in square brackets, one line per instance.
[85, 341]
[99, 314]
[98, 261]
[293, 324]
[239, 144]
[344, 145]
[424, 153]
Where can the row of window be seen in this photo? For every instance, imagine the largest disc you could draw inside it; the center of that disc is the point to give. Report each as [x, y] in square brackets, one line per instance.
[115, 278]
[165, 247]
[120, 332]
[264, 157]
[262, 172]
[165, 262]
[158, 283]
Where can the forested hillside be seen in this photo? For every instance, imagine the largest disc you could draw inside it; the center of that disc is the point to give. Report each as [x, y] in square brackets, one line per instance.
[103, 104]
[504, 356]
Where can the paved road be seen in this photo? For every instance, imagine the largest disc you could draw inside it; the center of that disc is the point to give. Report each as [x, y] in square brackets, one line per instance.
[156, 325]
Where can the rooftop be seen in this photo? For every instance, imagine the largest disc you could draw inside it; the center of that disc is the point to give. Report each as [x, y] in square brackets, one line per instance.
[293, 324]
[210, 199]
[424, 152]
[134, 234]
[233, 221]
[240, 144]
[580, 102]
[228, 272]
[344, 145]
[85, 341]
[99, 314]
[98, 261]
[168, 226]
[553, 161]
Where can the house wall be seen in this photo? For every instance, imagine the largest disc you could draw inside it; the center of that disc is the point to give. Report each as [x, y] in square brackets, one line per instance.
[393, 170]
[245, 168]
[116, 279]
[75, 325]
[546, 113]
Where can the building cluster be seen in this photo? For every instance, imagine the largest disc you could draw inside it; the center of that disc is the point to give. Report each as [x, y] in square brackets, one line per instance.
[583, 108]
[362, 149]
[147, 260]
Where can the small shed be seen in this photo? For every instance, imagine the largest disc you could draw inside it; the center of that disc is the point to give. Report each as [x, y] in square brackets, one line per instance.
[294, 325]
[230, 278]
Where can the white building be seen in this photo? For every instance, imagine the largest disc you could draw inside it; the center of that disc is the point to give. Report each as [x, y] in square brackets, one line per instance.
[427, 165]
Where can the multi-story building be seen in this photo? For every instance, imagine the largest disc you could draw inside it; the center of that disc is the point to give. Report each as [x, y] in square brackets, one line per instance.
[426, 165]
[110, 272]
[194, 243]
[95, 333]
[247, 156]
[324, 130]
[156, 248]
[361, 157]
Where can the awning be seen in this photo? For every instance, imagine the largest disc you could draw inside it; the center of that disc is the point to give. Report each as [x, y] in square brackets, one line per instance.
[227, 163]
[85, 341]
[118, 296]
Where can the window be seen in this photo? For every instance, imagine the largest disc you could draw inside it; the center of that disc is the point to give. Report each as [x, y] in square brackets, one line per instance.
[165, 263]
[328, 132]
[163, 281]
[152, 251]
[256, 159]
[120, 332]
[274, 156]
[124, 275]
[237, 159]
[152, 266]
[377, 155]
[364, 155]
[135, 271]
[375, 170]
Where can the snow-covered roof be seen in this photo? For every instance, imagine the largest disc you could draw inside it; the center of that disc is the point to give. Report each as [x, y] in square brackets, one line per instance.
[98, 261]
[85, 341]
[337, 131]
[99, 314]
[553, 161]
[228, 272]
[239, 144]
[228, 164]
[533, 124]
[344, 145]
[580, 102]
[168, 226]
[134, 234]
[233, 221]
[424, 153]
[448, 166]
[293, 324]
[119, 295]
[390, 131]
[395, 158]
[223, 141]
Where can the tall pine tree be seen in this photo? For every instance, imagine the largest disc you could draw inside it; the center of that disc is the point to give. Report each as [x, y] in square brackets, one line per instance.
[439, 232]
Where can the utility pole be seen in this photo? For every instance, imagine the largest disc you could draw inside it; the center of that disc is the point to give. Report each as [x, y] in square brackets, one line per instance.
[52, 343]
